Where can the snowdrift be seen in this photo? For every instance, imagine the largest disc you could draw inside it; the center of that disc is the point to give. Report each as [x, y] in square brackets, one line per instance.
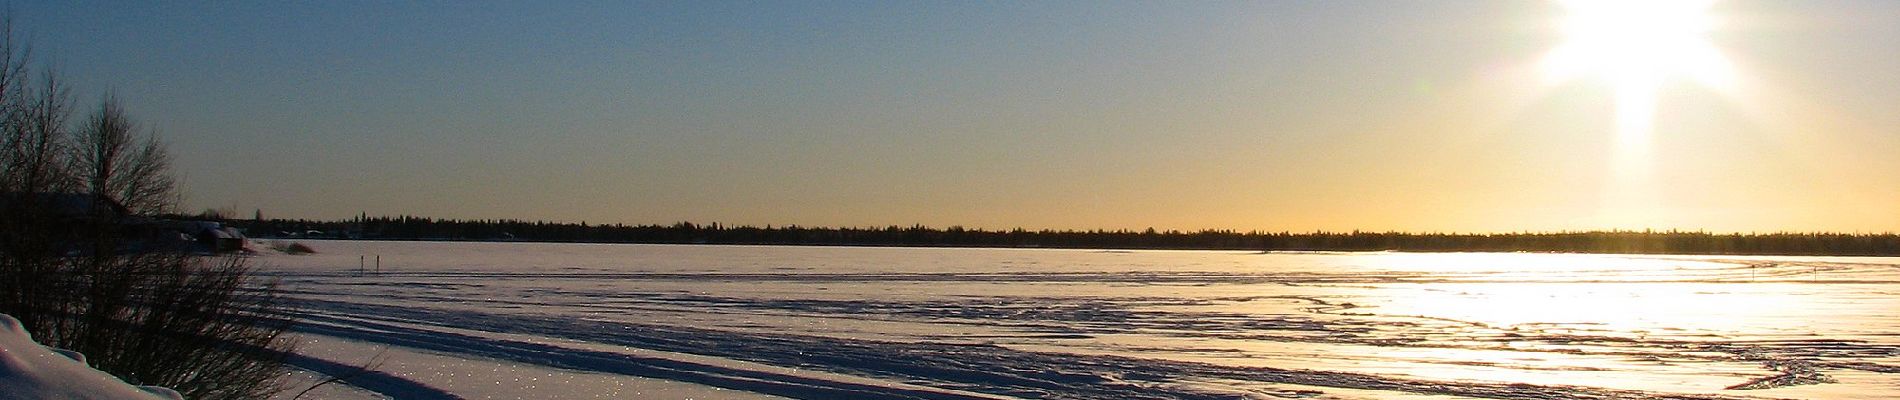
[29, 371]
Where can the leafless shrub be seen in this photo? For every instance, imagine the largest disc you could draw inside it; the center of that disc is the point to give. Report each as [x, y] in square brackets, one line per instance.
[192, 323]
[204, 326]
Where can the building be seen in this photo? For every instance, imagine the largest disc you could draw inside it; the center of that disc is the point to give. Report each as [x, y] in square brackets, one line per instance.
[76, 218]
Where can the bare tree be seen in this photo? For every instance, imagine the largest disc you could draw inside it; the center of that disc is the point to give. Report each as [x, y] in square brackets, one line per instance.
[13, 75]
[13, 58]
[31, 139]
[120, 165]
[36, 138]
[205, 326]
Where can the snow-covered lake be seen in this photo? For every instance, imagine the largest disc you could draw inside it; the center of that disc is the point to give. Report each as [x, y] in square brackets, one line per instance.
[531, 320]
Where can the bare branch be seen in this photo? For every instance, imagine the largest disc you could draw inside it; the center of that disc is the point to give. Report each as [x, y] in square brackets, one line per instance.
[119, 165]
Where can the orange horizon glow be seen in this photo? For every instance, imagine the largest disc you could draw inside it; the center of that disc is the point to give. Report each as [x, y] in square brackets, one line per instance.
[1430, 116]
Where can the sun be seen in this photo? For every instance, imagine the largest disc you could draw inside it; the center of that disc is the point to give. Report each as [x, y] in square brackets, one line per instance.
[1638, 43]
[1636, 47]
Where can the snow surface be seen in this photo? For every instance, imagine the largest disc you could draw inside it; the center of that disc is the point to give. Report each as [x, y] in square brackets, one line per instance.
[482, 377]
[29, 371]
[826, 322]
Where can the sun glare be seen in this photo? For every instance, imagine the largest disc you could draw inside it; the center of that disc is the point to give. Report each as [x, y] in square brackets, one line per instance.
[1639, 43]
[1635, 47]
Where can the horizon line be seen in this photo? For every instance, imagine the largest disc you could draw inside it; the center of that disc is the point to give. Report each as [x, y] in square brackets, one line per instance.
[1157, 230]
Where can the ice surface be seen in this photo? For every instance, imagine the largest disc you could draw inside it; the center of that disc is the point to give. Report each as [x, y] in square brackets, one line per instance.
[978, 323]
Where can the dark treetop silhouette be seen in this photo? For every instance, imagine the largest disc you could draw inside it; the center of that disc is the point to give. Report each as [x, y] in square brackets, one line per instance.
[1640, 242]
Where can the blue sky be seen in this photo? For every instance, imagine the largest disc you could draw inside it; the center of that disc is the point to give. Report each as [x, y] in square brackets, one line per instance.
[1247, 115]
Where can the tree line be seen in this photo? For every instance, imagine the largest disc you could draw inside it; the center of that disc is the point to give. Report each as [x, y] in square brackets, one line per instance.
[1625, 242]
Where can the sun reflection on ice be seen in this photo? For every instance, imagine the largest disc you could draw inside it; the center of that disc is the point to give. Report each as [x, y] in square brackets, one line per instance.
[1615, 309]
[1606, 293]
[1595, 320]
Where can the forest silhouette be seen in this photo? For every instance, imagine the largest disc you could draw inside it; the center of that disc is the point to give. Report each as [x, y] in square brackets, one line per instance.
[1620, 242]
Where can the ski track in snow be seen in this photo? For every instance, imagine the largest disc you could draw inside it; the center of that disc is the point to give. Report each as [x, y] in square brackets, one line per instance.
[976, 368]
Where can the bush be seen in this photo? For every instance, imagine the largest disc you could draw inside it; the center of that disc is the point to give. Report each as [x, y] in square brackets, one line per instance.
[192, 323]
[202, 325]
[71, 192]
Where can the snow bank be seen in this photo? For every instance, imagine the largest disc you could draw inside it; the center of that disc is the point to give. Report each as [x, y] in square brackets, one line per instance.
[30, 371]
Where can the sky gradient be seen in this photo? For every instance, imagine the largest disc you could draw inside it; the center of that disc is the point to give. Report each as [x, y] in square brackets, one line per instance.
[1335, 115]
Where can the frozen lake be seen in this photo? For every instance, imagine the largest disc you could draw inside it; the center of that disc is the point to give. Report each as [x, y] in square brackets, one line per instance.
[932, 323]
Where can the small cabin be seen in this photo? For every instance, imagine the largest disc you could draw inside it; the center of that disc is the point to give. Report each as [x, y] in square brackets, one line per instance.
[185, 235]
[81, 218]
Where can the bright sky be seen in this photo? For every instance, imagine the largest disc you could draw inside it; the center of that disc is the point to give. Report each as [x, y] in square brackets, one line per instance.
[1271, 115]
